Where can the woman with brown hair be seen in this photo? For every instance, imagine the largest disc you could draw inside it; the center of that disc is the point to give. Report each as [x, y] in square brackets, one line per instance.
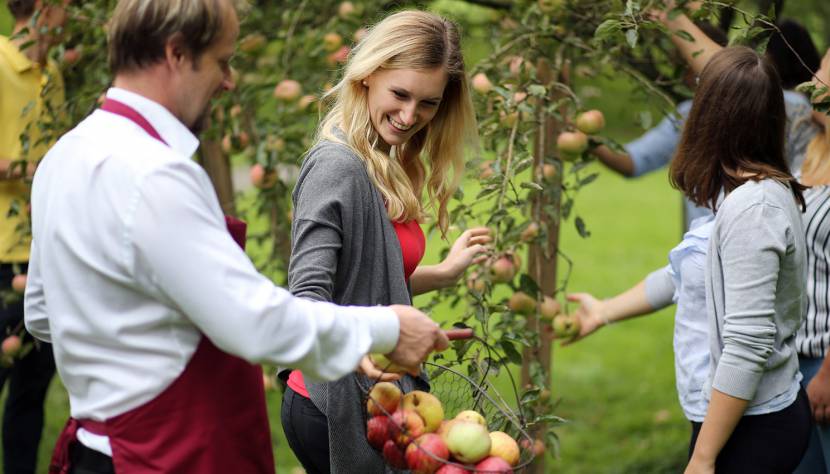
[731, 159]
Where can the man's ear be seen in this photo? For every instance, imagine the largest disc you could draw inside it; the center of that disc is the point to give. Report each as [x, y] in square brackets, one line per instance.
[176, 52]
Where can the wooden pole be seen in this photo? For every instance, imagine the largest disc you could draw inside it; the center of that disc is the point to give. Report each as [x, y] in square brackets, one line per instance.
[542, 257]
[218, 167]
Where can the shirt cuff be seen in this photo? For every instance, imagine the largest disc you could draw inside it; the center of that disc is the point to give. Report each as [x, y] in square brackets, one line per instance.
[739, 383]
[384, 328]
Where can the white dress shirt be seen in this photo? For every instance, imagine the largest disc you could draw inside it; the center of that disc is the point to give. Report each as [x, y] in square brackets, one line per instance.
[132, 262]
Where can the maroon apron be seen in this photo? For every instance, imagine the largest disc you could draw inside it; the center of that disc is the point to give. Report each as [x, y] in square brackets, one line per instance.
[211, 419]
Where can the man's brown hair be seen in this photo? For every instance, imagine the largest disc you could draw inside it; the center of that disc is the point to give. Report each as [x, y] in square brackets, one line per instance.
[139, 29]
[21, 9]
[735, 131]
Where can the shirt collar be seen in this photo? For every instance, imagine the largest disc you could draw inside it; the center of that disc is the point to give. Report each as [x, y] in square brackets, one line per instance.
[173, 131]
[14, 56]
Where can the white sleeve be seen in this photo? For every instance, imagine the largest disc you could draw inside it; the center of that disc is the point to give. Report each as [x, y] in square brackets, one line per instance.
[182, 251]
[34, 300]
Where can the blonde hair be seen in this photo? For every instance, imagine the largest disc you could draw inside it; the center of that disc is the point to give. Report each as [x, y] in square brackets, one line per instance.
[407, 40]
[816, 167]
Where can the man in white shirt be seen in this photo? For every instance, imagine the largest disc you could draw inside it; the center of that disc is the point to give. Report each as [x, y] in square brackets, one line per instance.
[143, 293]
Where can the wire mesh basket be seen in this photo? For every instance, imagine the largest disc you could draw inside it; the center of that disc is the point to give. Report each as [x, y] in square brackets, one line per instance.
[473, 389]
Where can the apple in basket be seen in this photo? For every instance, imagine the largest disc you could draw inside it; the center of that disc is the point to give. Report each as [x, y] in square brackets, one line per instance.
[393, 455]
[384, 399]
[378, 431]
[427, 406]
[406, 426]
[472, 416]
[505, 447]
[494, 465]
[468, 442]
[452, 469]
[426, 454]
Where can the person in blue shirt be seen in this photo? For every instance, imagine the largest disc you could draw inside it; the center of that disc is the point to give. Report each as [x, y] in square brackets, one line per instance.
[655, 149]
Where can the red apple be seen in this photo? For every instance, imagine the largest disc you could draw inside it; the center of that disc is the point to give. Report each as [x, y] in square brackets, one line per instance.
[502, 270]
[486, 170]
[406, 426]
[262, 178]
[339, 57]
[19, 283]
[530, 233]
[572, 143]
[444, 428]
[548, 172]
[359, 34]
[288, 90]
[476, 283]
[494, 465]
[71, 56]
[481, 83]
[566, 326]
[427, 406]
[505, 447]
[332, 41]
[522, 303]
[549, 308]
[383, 399]
[394, 455]
[11, 346]
[452, 469]
[426, 454]
[346, 9]
[590, 122]
[515, 66]
[378, 431]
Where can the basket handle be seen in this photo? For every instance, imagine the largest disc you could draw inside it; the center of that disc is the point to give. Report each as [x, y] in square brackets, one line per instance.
[458, 334]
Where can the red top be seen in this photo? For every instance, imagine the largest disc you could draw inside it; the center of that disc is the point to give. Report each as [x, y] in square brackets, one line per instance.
[413, 245]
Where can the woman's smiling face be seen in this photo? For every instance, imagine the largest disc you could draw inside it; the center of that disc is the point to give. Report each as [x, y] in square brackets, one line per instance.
[403, 101]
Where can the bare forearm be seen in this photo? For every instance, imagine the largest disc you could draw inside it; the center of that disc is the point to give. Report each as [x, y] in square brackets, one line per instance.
[427, 278]
[619, 162]
[723, 415]
[628, 304]
[697, 52]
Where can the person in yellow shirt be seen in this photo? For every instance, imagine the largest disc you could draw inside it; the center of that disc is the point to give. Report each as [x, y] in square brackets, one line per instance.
[31, 93]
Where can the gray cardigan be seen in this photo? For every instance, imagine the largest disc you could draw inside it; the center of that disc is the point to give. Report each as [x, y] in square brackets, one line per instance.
[755, 285]
[345, 250]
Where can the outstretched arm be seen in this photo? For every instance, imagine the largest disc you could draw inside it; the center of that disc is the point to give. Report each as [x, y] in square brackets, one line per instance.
[696, 52]
[646, 297]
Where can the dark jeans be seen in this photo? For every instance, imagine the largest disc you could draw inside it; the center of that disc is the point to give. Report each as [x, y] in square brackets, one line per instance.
[307, 431]
[29, 379]
[773, 443]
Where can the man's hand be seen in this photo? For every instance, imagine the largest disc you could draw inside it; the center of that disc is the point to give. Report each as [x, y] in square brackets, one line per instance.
[818, 391]
[419, 336]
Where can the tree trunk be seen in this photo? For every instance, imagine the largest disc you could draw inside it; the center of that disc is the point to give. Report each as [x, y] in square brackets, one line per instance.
[218, 167]
[542, 257]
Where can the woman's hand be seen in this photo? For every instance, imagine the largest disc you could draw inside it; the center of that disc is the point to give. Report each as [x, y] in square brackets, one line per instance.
[591, 314]
[468, 249]
[369, 369]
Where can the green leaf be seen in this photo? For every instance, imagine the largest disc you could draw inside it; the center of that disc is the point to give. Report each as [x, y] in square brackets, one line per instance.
[607, 28]
[631, 37]
[537, 90]
[528, 285]
[645, 119]
[510, 352]
[685, 35]
[588, 179]
[531, 185]
[580, 228]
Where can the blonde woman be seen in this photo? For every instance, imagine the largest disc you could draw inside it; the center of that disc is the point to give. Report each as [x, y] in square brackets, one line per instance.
[396, 132]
